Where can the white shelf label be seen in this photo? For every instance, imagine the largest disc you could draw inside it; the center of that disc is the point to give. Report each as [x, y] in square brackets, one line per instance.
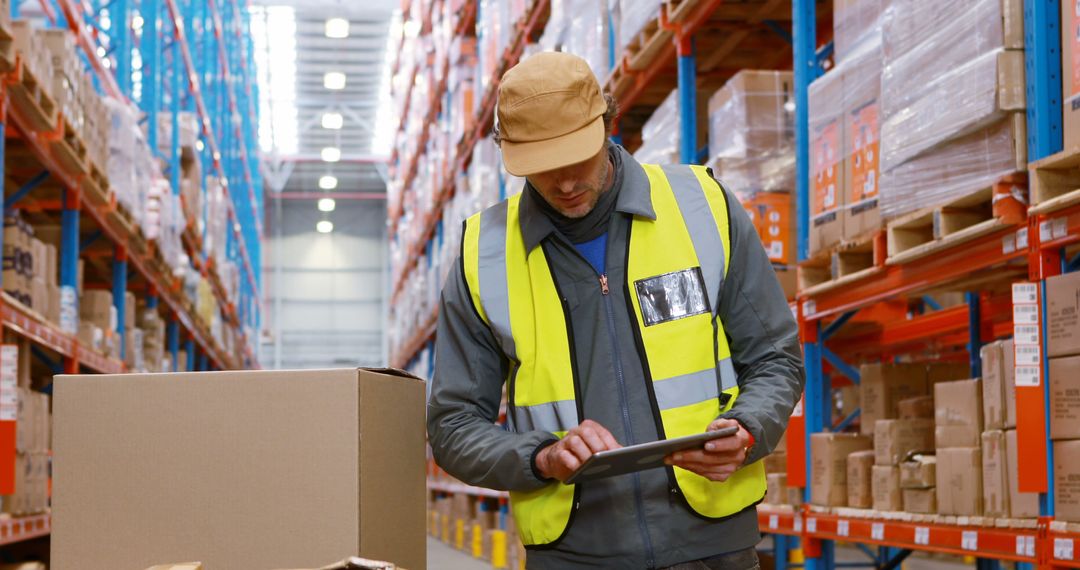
[1059, 227]
[1025, 293]
[774, 521]
[1021, 546]
[969, 540]
[1008, 244]
[922, 535]
[1028, 375]
[1026, 335]
[1046, 232]
[798, 523]
[811, 525]
[1022, 238]
[1029, 549]
[1063, 549]
[877, 531]
[1026, 314]
[809, 307]
[843, 528]
[798, 411]
[9, 379]
[1028, 355]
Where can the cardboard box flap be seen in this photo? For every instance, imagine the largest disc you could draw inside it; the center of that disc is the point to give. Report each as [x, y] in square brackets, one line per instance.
[392, 372]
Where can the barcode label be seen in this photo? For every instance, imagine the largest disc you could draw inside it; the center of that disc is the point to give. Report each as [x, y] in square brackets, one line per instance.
[969, 540]
[1028, 375]
[1025, 293]
[774, 522]
[1021, 546]
[811, 525]
[798, 524]
[1059, 228]
[1022, 238]
[9, 380]
[843, 528]
[1008, 244]
[1046, 233]
[1029, 548]
[922, 535]
[1028, 355]
[1063, 549]
[1026, 334]
[1026, 314]
[877, 531]
[809, 307]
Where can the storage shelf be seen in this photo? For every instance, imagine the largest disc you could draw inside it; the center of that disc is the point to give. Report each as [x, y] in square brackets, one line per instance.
[414, 345]
[25, 322]
[1063, 546]
[780, 519]
[18, 529]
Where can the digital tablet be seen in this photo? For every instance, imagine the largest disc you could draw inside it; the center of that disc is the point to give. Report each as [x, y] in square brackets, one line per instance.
[642, 456]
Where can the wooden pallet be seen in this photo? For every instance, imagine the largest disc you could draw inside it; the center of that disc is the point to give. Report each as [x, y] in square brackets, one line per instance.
[7, 50]
[644, 48]
[70, 150]
[679, 10]
[960, 220]
[29, 95]
[1055, 182]
[847, 263]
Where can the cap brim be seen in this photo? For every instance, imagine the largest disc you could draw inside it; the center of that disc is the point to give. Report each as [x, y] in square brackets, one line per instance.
[527, 158]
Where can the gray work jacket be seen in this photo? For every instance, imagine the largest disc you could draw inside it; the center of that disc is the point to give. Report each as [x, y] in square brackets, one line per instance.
[629, 521]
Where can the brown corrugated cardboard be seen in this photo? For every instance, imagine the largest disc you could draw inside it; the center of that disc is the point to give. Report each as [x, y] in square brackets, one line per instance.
[182, 566]
[919, 472]
[959, 481]
[1067, 480]
[345, 449]
[96, 306]
[1070, 77]
[894, 439]
[885, 484]
[828, 476]
[923, 501]
[1009, 370]
[995, 474]
[828, 177]
[860, 494]
[1063, 315]
[845, 402]
[1065, 398]
[775, 488]
[776, 462]
[1021, 505]
[946, 371]
[795, 496]
[882, 386]
[958, 414]
[993, 385]
[918, 407]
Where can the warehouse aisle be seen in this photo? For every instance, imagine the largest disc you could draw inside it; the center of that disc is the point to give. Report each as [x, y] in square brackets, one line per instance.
[442, 557]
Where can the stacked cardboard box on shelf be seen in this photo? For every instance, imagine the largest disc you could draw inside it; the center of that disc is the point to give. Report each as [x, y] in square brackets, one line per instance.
[828, 469]
[29, 268]
[33, 437]
[918, 484]
[1063, 347]
[958, 419]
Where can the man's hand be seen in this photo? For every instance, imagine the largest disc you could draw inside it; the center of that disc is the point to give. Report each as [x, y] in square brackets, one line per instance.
[559, 460]
[720, 458]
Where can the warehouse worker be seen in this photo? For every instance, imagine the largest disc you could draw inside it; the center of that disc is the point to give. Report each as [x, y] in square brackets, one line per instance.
[619, 303]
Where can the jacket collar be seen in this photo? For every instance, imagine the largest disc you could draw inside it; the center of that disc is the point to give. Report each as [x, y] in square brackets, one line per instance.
[635, 198]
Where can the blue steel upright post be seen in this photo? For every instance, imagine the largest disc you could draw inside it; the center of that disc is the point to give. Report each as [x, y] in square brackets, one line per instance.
[150, 49]
[687, 82]
[119, 293]
[69, 262]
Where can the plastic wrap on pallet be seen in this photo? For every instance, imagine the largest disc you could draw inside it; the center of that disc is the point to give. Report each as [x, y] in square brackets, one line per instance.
[580, 27]
[826, 114]
[856, 22]
[970, 96]
[964, 165]
[660, 134]
[189, 131]
[630, 18]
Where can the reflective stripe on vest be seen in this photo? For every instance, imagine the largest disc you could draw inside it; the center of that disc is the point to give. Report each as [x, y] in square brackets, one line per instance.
[685, 356]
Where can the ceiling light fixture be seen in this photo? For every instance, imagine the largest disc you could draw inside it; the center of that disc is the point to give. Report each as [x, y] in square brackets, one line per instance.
[324, 227]
[327, 204]
[332, 120]
[327, 182]
[337, 28]
[331, 154]
[334, 80]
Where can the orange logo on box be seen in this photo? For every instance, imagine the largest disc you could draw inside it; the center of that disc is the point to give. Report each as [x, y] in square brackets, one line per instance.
[865, 130]
[825, 152]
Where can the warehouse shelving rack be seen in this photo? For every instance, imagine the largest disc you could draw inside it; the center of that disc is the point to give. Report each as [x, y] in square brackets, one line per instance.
[93, 228]
[1028, 250]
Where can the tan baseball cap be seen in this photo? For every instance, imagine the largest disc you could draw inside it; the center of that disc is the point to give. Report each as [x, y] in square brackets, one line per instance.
[550, 114]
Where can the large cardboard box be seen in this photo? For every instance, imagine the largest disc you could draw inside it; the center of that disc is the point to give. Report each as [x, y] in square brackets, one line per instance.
[773, 214]
[919, 472]
[860, 494]
[828, 468]
[96, 306]
[959, 481]
[775, 488]
[946, 372]
[1008, 348]
[828, 177]
[995, 474]
[1065, 398]
[242, 470]
[894, 439]
[1067, 480]
[1070, 68]
[885, 485]
[1063, 314]
[923, 501]
[882, 386]
[958, 414]
[1021, 505]
[918, 407]
[993, 385]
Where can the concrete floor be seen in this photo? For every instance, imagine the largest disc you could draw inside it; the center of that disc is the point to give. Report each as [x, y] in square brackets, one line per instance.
[442, 557]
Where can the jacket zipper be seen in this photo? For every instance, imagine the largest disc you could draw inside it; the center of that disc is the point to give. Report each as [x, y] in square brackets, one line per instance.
[624, 404]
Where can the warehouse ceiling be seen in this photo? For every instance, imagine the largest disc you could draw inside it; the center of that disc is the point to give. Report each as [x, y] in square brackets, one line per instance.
[291, 37]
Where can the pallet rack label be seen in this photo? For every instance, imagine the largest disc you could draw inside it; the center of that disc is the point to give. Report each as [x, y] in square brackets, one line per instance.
[1057, 228]
[1063, 549]
[811, 525]
[798, 523]
[69, 310]
[774, 521]
[1011, 243]
[922, 535]
[877, 531]
[9, 379]
[843, 527]
[969, 540]
[1026, 334]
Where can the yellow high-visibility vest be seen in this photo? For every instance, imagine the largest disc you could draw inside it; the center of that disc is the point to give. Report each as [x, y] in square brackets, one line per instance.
[676, 265]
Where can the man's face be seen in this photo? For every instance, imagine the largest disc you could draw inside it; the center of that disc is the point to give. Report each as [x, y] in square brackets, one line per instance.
[574, 190]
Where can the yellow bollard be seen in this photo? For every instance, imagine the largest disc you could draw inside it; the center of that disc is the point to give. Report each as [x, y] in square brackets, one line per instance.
[446, 530]
[477, 541]
[969, 560]
[498, 549]
[795, 556]
[459, 534]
